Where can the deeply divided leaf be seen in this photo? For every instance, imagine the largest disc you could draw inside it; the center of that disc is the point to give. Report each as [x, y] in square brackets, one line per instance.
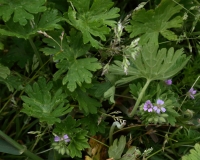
[149, 24]
[41, 103]
[22, 10]
[72, 65]
[92, 18]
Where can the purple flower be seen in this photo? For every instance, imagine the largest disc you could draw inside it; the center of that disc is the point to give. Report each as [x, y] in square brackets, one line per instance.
[63, 138]
[168, 82]
[66, 138]
[159, 106]
[192, 92]
[57, 139]
[148, 106]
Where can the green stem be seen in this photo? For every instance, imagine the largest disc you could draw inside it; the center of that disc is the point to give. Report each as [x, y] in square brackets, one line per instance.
[19, 147]
[119, 126]
[36, 51]
[112, 128]
[38, 138]
[97, 141]
[156, 152]
[139, 98]
[171, 136]
[7, 102]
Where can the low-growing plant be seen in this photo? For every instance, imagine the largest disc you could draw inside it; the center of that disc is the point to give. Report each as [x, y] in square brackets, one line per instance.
[99, 79]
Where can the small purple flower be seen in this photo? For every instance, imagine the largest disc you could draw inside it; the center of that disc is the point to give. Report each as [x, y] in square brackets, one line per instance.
[148, 106]
[63, 138]
[192, 92]
[159, 106]
[57, 139]
[66, 138]
[168, 82]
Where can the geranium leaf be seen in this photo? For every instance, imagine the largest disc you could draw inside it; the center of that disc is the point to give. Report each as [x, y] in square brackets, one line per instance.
[152, 64]
[92, 18]
[44, 105]
[149, 24]
[78, 140]
[48, 20]
[87, 104]
[77, 70]
[115, 151]
[22, 10]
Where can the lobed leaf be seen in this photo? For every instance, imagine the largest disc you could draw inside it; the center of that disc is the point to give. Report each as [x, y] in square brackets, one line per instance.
[86, 103]
[194, 153]
[42, 104]
[115, 151]
[152, 64]
[92, 18]
[45, 21]
[76, 70]
[21, 10]
[149, 24]
[78, 140]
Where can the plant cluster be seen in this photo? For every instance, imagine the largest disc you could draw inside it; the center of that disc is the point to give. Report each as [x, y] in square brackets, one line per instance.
[99, 79]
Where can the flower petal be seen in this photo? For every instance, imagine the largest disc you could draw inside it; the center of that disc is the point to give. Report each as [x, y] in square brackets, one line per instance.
[158, 111]
[168, 82]
[155, 108]
[159, 101]
[57, 139]
[150, 110]
[163, 109]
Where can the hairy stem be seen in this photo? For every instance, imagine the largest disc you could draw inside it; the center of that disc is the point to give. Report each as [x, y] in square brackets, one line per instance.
[139, 98]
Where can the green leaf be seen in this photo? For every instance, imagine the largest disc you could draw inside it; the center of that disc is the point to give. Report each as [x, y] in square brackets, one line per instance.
[131, 154]
[20, 53]
[77, 144]
[21, 10]
[115, 151]
[110, 93]
[86, 103]
[92, 18]
[4, 71]
[98, 89]
[93, 127]
[78, 140]
[45, 21]
[152, 64]
[6, 147]
[77, 70]
[194, 153]
[44, 105]
[149, 24]
[13, 82]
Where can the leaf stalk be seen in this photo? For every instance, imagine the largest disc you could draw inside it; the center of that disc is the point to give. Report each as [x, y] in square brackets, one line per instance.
[139, 98]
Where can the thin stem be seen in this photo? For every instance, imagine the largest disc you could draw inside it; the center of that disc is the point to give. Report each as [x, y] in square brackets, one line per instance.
[187, 95]
[38, 138]
[156, 152]
[98, 141]
[7, 102]
[183, 7]
[36, 51]
[19, 147]
[139, 98]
